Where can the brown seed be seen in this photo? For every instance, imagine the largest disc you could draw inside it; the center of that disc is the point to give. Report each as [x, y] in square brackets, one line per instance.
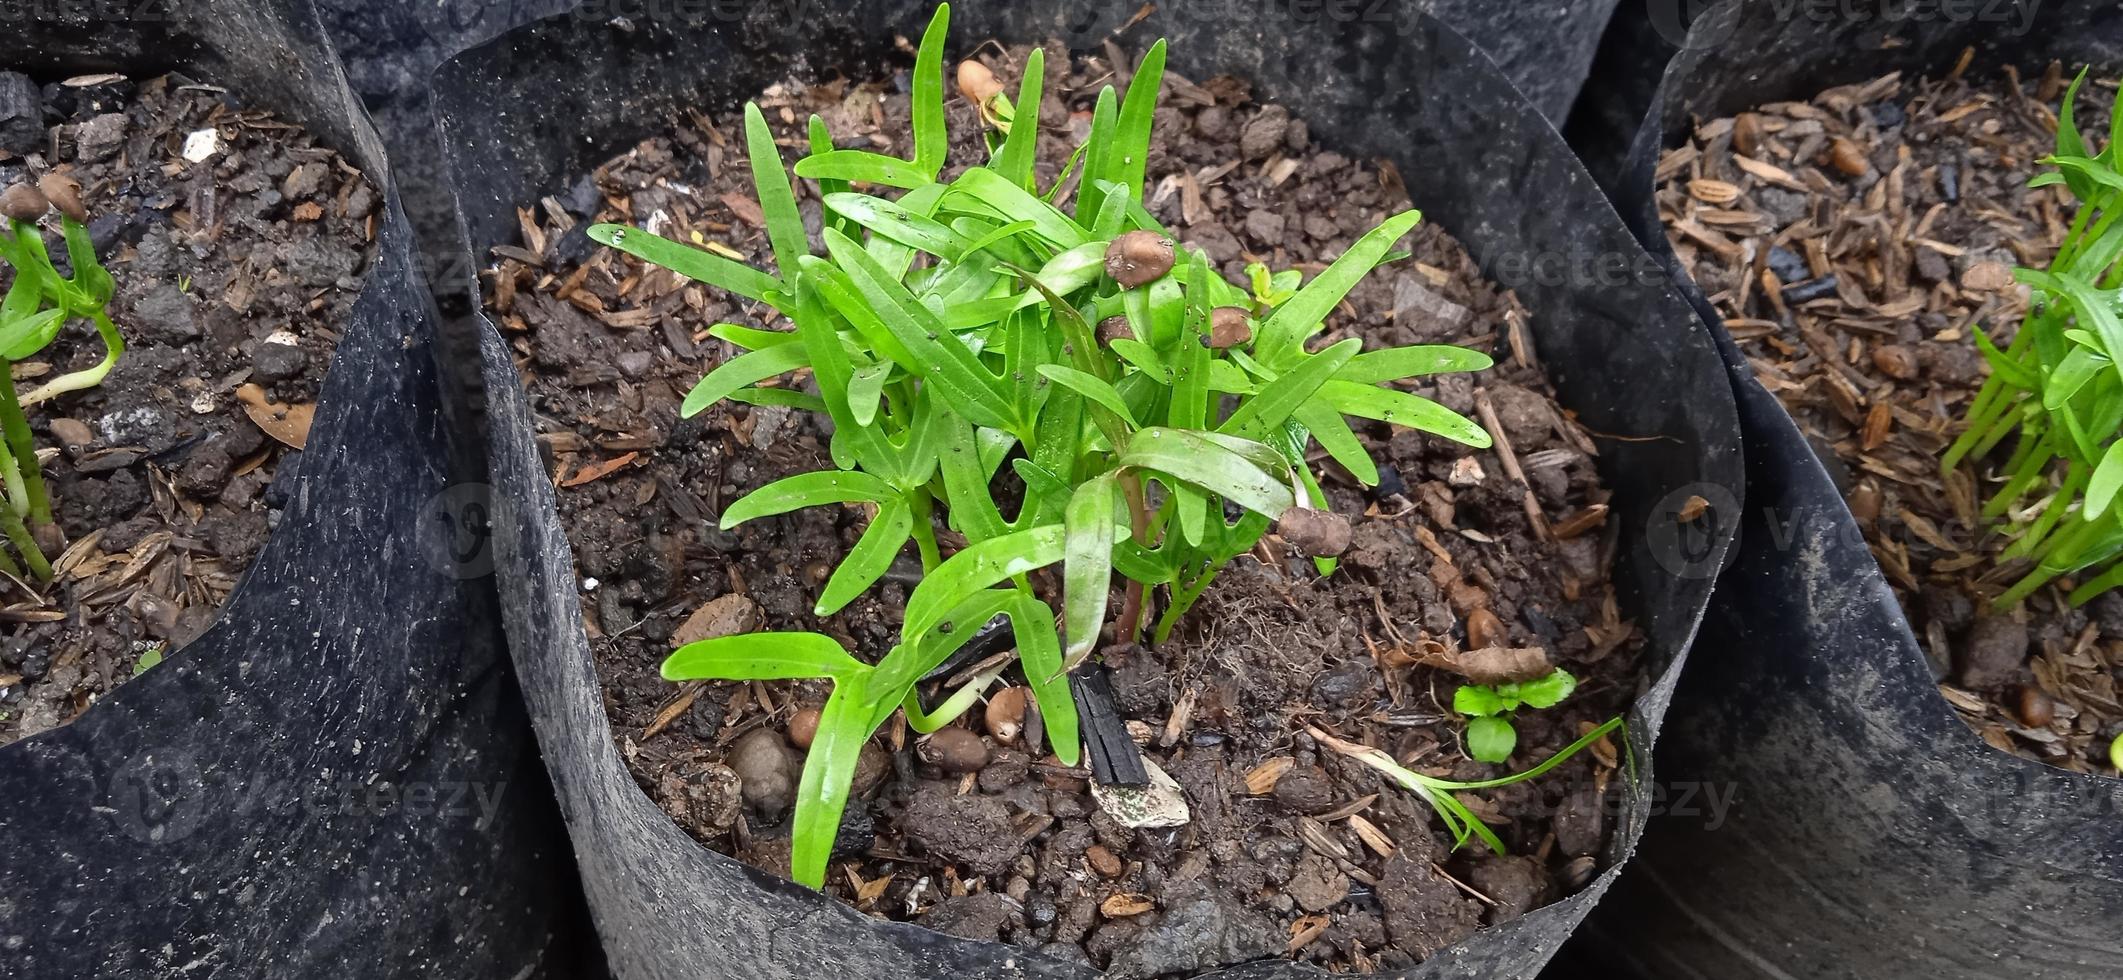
[1138, 257]
[1865, 503]
[1006, 714]
[1115, 328]
[65, 194]
[1103, 861]
[1484, 630]
[976, 82]
[2036, 709]
[1895, 361]
[1229, 326]
[1747, 134]
[954, 750]
[23, 202]
[803, 727]
[1848, 158]
[1314, 533]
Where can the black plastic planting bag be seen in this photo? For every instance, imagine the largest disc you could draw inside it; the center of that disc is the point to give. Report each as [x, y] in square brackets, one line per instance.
[1871, 834]
[337, 778]
[540, 105]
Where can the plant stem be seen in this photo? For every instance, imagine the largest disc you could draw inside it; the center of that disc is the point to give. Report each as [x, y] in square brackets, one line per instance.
[2075, 478]
[923, 506]
[1130, 623]
[15, 425]
[2024, 476]
[113, 345]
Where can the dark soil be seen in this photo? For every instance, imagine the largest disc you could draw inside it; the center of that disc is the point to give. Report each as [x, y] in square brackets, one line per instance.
[1852, 278]
[231, 271]
[1291, 849]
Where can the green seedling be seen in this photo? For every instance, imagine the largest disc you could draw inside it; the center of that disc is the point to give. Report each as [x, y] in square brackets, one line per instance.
[983, 343]
[2058, 387]
[1490, 737]
[149, 659]
[2115, 753]
[38, 303]
[1461, 821]
[1271, 291]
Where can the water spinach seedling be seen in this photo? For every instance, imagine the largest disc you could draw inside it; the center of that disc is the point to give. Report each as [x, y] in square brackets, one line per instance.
[2058, 387]
[974, 332]
[38, 303]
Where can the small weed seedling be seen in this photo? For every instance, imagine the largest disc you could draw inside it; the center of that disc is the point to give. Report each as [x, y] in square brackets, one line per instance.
[2059, 386]
[1490, 737]
[38, 303]
[982, 341]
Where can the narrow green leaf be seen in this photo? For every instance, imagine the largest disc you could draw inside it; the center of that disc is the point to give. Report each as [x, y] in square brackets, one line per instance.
[1041, 655]
[865, 387]
[898, 223]
[2107, 478]
[1404, 409]
[1282, 337]
[972, 509]
[1334, 435]
[1013, 203]
[2093, 306]
[1190, 457]
[1105, 115]
[742, 370]
[1090, 387]
[777, 203]
[1131, 149]
[1142, 357]
[1087, 570]
[751, 338]
[808, 490]
[828, 772]
[693, 263]
[861, 166]
[1266, 412]
[783, 397]
[937, 354]
[870, 558]
[762, 657]
[1398, 363]
[979, 567]
[931, 142]
[1015, 157]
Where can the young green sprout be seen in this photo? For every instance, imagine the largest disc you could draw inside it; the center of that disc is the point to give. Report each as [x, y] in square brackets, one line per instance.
[986, 330]
[1490, 737]
[38, 303]
[2058, 387]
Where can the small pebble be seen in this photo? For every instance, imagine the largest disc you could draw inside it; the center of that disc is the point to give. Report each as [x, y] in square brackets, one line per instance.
[2035, 707]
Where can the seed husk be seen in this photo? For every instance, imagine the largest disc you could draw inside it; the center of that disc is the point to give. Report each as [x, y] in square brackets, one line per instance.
[1484, 630]
[1229, 326]
[1138, 257]
[1006, 714]
[803, 727]
[954, 750]
[1314, 533]
[1115, 328]
[23, 202]
[65, 194]
[1747, 134]
[2036, 708]
[976, 82]
[1848, 158]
